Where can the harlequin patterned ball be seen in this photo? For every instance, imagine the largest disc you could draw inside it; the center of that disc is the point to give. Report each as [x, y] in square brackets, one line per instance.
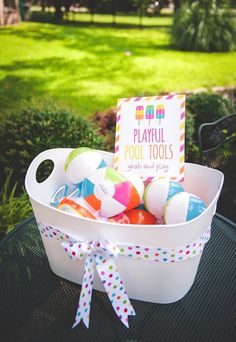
[183, 207]
[140, 215]
[82, 162]
[137, 182]
[158, 192]
[110, 192]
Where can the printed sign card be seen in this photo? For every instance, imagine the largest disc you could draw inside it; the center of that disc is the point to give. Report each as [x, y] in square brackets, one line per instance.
[150, 135]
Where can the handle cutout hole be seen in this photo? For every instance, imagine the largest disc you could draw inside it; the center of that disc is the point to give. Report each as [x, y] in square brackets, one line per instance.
[44, 170]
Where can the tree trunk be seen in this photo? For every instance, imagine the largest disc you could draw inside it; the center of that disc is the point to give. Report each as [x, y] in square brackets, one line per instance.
[67, 5]
[91, 7]
[114, 12]
[58, 11]
[140, 14]
[1, 13]
[43, 5]
[177, 4]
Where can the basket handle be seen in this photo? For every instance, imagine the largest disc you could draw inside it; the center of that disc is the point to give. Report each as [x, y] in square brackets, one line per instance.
[56, 155]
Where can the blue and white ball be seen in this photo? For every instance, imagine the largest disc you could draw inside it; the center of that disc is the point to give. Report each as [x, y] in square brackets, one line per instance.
[183, 207]
[82, 162]
[158, 192]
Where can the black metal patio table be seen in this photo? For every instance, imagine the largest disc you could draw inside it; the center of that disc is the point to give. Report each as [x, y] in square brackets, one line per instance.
[36, 305]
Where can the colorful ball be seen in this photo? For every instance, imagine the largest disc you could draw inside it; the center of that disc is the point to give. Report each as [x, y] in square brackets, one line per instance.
[82, 162]
[183, 207]
[140, 215]
[70, 206]
[111, 192]
[137, 182]
[121, 218]
[158, 192]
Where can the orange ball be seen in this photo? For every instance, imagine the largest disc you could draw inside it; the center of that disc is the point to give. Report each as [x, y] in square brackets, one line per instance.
[141, 216]
[70, 206]
[121, 218]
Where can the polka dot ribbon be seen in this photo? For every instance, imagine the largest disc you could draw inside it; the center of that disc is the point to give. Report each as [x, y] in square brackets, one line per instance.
[101, 254]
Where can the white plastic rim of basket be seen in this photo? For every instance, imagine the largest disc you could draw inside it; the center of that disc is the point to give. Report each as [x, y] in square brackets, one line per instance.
[39, 191]
[170, 283]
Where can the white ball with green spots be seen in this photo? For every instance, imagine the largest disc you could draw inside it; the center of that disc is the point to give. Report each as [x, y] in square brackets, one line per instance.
[82, 162]
[158, 192]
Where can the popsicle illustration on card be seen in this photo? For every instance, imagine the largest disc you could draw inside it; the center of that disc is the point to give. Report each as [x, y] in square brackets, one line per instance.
[150, 134]
[160, 112]
[149, 112]
[139, 114]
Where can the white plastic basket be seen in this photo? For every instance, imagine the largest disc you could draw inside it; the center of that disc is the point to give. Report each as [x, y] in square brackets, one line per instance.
[144, 280]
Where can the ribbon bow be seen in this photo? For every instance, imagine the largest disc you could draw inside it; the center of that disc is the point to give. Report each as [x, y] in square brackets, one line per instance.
[99, 255]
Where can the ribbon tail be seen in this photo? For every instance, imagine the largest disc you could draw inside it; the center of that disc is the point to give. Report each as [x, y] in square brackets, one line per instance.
[114, 287]
[84, 304]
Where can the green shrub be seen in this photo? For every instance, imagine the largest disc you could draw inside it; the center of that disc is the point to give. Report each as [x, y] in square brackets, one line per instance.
[203, 26]
[191, 149]
[27, 132]
[13, 210]
[106, 123]
[208, 107]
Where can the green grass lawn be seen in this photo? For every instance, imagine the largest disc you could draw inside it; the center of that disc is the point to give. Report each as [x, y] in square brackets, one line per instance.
[86, 67]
